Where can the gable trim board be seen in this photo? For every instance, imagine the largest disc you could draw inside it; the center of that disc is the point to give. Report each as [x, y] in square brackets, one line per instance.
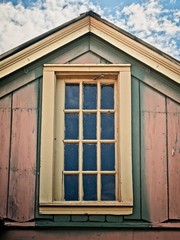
[90, 23]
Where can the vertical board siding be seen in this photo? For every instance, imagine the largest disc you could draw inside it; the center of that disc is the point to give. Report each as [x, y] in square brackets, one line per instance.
[23, 154]
[5, 123]
[173, 120]
[153, 156]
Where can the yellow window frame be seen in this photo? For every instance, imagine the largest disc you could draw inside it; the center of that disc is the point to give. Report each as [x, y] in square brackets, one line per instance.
[47, 204]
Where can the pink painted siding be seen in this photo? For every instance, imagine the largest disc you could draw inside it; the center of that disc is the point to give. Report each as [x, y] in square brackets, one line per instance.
[5, 129]
[173, 110]
[153, 156]
[91, 234]
[23, 154]
[157, 169]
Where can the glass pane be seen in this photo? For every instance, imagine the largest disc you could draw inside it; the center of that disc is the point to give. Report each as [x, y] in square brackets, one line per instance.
[72, 96]
[107, 157]
[89, 126]
[107, 187]
[71, 126]
[89, 157]
[89, 96]
[107, 126]
[107, 96]
[71, 187]
[71, 157]
[90, 187]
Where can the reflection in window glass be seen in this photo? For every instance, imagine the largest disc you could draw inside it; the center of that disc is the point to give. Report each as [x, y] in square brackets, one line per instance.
[107, 126]
[90, 187]
[71, 157]
[89, 126]
[71, 187]
[89, 96]
[71, 126]
[107, 187]
[107, 157]
[107, 96]
[72, 96]
[89, 157]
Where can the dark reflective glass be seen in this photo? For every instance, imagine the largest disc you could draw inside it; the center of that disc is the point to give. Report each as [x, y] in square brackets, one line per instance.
[89, 96]
[72, 96]
[89, 126]
[90, 187]
[71, 187]
[107, 96]
[107, 157]
[107, 125]
[71, 157]
[107, 187]
[89, 157]
[71, 126]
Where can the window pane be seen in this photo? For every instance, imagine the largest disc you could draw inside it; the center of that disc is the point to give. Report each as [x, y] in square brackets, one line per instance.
[107, 187]
[89, 96]
[89, 126]
[72, 96]
[90, 187]
[107, 126]
[71, 126]
[71, 157]
[107, 157]
[107, 96]
[71, 187]
[89, 157]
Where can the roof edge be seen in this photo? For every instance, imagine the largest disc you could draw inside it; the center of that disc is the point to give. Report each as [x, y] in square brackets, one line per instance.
[81, 16]
[89, 22]
[46, 34]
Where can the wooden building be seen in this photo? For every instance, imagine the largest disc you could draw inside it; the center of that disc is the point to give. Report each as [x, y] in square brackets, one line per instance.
[89, 136]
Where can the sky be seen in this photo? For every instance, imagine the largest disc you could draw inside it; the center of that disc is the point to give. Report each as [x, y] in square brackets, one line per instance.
[154, 21]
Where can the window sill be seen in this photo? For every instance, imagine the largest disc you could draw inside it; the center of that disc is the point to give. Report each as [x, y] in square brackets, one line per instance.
[113, 208]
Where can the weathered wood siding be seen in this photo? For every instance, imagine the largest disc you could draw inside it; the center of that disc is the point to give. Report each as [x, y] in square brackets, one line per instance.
[153, 156]
[5, 136]
[18, 138]
[91, 234]
[155, 144]
[173, 128]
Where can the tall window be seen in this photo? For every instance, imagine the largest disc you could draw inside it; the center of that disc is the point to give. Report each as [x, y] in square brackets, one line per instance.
[90, 137]
[85, 155]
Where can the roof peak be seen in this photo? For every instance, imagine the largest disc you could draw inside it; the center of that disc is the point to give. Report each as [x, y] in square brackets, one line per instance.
[90, 13]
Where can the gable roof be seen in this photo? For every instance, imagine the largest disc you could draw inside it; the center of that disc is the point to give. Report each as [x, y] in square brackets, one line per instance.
[89, 22]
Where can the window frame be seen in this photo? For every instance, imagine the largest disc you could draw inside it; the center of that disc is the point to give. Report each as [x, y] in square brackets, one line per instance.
[47, 205]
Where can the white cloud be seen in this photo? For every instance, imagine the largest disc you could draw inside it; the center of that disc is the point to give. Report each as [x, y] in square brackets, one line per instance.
[150, 21]
[19, 24]
[153, 23]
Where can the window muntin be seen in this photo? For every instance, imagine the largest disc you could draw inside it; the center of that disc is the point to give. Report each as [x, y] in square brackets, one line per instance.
[51, 197]
[94, 166]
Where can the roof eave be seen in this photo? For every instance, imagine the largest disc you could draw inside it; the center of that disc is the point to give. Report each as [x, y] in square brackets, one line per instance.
[89, 22]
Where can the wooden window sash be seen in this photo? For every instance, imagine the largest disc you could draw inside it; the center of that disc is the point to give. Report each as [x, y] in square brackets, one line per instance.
[49, 194]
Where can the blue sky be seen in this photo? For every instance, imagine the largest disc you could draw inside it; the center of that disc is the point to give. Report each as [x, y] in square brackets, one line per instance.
[155, 21]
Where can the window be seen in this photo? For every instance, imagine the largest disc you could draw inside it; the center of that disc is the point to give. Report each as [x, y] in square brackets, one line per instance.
[86, 140]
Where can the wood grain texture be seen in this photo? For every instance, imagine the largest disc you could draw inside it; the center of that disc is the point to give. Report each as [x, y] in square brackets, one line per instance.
[173, 119]
[23, 154]
[92, 234]
[5, 129]
[153, 156]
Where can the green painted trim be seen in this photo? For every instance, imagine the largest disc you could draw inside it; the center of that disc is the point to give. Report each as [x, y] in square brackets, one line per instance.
[136, 150]
[93, 224]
